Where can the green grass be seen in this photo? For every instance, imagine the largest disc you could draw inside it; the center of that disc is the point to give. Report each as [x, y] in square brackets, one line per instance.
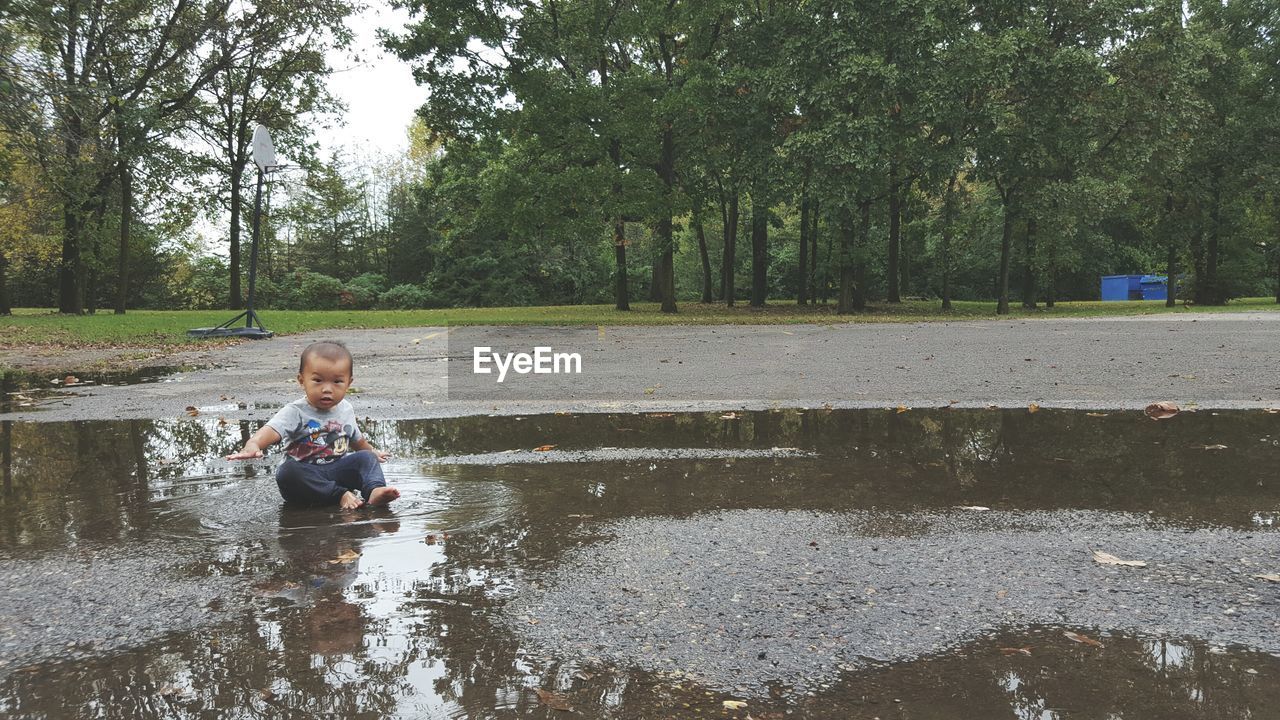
[167, 328]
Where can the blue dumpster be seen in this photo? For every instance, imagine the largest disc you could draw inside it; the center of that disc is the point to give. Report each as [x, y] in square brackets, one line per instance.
[1154, 287]
[1122, 287]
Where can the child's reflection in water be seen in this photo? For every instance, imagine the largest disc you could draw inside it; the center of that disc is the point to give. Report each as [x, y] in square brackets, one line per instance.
[322, 555]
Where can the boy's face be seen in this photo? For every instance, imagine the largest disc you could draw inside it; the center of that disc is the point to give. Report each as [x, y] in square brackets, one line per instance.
[325, 381]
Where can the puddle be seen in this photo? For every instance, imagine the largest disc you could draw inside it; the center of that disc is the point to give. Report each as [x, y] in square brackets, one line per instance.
[27, 391]
[822, 564]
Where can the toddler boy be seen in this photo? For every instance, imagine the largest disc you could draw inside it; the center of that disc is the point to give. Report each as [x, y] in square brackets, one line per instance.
[329, 459]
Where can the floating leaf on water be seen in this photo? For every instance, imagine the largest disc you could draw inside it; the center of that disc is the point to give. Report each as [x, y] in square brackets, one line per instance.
[1109, 559]
[661, 415]
[1082, 639]
[734, 704]
[1018, 651]
[729, 416]
[544, 448]
[902, 409]
[1215, 447]
[1273, 411]
[70, 380]
[1097, 414]
[1162, 410]
[975, 508]
[344, 557]
[554, 701]
[1033, 408]
[1269, 577]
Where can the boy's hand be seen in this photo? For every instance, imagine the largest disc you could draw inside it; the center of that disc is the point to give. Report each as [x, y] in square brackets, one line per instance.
[246, 453]
[382, 455]
[350, 501]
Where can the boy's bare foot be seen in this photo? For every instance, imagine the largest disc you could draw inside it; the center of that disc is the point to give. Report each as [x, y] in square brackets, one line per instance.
[383, 495]
[350, 501]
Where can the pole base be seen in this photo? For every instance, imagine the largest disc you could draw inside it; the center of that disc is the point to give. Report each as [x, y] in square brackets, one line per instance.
[252, 329]
[245, 332]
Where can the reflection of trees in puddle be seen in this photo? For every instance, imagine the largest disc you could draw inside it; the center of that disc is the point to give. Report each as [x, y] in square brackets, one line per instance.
[101, 480]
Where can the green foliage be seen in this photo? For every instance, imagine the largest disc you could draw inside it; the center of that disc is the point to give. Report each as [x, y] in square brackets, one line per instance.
[403, 297]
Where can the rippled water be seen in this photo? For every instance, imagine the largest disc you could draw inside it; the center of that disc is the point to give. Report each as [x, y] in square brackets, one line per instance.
[144, 576]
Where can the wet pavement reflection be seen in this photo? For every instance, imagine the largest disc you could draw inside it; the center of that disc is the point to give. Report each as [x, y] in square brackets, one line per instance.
[146, 577]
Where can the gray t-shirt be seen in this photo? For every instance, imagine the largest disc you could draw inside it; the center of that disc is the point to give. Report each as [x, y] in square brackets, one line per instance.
[313, 435]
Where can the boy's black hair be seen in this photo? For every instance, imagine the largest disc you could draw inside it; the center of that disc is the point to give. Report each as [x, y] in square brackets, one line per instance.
[332, 350]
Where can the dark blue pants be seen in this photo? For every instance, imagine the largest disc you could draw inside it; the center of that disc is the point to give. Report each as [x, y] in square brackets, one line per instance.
[309, 484]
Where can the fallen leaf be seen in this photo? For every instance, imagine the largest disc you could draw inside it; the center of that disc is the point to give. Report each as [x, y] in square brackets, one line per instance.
[544, 448]
[734, 704]
[554, 701]
[661, 415]
[1273, 411]
[192, 411]
[223, 398]
[1033, 408]
[266, 694]
[1082, 639]
[430, 540]
[1097, 414]
[535, 621]
[1002, 594]
[70, 380]
[1215, 447]
[1269, 577]
[344, 557]
[1109, 559]
[902, 409]
[1018, 651]
[222, 422]
[1162, 410]
[729, 416]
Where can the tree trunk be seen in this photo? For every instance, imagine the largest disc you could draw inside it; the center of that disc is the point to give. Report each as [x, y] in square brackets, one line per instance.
[70, 297]
[706, 259]
[126, 218]
[1051, 292]
[895, 234]
[1171, 257]
[90, 286]
[905, 249]
[802, 297]
[4, 286]
[813, 253]
[1028, 265]
[237, 204]
[730, 250]
[1002, 281]
[666, 259]
[948, 222]
[859, 265]
[826, 270]
[621, 292]
[759, 247]
[844, 303]
[1213, 294]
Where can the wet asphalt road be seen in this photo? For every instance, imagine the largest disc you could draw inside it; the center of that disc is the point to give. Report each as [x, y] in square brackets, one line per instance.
[1210, 360]
[743, 599]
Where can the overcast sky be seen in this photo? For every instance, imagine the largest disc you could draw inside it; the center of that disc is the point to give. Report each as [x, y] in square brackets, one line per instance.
[379, 92]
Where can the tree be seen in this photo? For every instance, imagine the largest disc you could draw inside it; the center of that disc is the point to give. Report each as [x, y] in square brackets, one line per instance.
[278, 80]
